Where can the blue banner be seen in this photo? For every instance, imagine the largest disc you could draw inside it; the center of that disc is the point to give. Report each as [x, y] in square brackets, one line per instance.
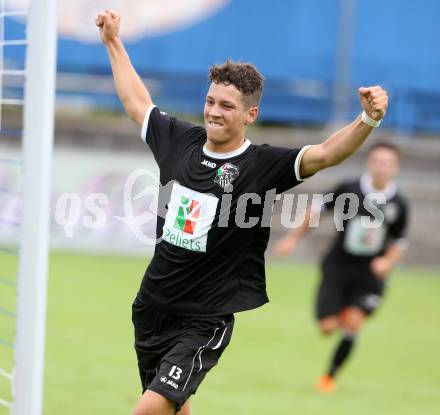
[293, 42]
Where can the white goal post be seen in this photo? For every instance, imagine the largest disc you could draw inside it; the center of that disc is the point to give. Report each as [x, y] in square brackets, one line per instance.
[38, 128]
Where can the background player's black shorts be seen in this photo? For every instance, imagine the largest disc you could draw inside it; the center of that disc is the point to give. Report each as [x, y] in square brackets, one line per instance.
[335, 294]
[176, 352]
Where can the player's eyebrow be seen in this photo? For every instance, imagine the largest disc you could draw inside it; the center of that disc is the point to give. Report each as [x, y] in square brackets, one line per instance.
[224, 102]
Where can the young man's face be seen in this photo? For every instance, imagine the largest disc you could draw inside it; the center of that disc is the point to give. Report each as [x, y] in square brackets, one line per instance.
[225, 115]
[383, 165]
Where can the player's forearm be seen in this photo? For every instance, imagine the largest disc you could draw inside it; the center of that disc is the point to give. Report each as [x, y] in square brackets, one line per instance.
[394, 254]
[131, 90]
[297, 233]
[345, 142]
[336, 148]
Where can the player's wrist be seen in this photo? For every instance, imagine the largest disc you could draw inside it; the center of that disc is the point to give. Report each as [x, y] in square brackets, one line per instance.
[112, 42]
[366, 119]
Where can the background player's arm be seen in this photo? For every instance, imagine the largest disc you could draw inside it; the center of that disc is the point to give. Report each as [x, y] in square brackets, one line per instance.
[287, 245]
[346, 141]
[382, 265]
[131, 90]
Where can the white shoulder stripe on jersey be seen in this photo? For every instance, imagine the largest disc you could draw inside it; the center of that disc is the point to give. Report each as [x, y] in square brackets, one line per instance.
[298, 163]
[145, 123]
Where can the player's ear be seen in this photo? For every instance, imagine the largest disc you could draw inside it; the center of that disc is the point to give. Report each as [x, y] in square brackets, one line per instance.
[252, 114]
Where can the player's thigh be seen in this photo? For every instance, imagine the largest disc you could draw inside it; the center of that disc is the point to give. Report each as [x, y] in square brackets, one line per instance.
[352, 319]
[328, 324]
[152, 403]
[186, 409]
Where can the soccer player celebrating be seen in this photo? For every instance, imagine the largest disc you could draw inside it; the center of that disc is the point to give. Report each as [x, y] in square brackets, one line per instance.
[355, 269]
[210, 261]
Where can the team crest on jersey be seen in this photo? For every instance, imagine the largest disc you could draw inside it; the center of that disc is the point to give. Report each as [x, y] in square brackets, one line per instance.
[226, 174]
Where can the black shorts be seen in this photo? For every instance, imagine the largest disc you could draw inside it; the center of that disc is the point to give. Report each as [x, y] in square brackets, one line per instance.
[334, 295]
[176, 352]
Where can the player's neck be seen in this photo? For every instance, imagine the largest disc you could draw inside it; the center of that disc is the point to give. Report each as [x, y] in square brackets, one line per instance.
[370, 185]
[226, 147]
[378, 184]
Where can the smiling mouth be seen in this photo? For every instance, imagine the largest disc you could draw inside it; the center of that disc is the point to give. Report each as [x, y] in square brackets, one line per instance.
[215, 124]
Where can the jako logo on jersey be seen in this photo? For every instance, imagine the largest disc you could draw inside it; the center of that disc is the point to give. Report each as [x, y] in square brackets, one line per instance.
[226, 174]
[209, 164]
[187, 215]
[173, 384]
[170, 382]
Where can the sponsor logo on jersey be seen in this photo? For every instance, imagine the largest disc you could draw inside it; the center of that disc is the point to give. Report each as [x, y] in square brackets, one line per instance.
[189, 218]
[359, 240]
[208, 163]
[226, 174]
[187, 215]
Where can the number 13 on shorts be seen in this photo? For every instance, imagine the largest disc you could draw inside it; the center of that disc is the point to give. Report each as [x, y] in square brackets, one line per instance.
[175, 372]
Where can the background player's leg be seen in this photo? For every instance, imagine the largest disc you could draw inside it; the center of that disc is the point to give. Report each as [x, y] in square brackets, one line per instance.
[329, 324]
[342, 352]
[351, 322]
[352, 319]
[330, 300]
[152, 403]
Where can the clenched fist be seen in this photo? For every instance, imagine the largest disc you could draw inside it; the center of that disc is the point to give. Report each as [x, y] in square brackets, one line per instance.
[108, 23]
[374, 101]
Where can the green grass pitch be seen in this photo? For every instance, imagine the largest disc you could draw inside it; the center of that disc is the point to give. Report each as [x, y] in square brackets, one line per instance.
[274, 358]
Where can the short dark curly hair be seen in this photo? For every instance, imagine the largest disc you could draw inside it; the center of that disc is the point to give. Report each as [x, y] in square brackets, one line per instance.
[244, 76]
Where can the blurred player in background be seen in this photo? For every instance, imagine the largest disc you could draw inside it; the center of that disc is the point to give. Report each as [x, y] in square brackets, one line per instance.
[208, 266]
[356, 267]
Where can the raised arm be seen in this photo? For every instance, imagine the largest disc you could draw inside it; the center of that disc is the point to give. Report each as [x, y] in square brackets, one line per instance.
[131, 90]
[345, 142]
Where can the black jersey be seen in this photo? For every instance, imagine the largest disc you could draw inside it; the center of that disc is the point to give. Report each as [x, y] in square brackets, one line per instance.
[211, 261]
[356, 245]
